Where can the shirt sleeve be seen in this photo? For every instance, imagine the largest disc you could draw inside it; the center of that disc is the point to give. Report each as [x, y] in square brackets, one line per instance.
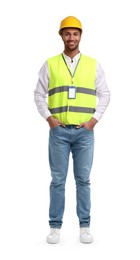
[102, 93]
[41, 91]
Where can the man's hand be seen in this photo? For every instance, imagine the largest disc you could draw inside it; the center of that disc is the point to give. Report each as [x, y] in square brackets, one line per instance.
[53, 122]
[89, 125]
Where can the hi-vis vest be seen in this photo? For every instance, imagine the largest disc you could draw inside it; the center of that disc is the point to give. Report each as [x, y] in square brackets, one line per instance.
[72, 110]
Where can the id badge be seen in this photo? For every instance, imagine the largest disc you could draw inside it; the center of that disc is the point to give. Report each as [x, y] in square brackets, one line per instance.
[72, 92]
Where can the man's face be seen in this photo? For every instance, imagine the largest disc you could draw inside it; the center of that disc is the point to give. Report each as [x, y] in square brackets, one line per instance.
[71, 38]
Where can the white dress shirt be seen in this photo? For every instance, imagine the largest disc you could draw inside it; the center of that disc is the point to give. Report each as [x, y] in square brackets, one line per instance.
[41, 91]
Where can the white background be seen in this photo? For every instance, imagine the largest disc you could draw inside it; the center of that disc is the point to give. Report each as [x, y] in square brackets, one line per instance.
[28, 36]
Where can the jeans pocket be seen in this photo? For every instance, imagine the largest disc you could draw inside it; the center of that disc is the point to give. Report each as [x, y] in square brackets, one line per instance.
[54, 128]
[88, 130]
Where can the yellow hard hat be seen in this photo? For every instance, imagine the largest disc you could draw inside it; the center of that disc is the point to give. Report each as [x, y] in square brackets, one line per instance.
[70, 21]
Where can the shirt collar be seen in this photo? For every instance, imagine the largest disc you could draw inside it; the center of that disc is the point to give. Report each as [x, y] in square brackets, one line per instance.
[76, 57]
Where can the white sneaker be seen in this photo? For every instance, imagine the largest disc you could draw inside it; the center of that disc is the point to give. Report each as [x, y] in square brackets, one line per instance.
[85, 236]
[54, 236]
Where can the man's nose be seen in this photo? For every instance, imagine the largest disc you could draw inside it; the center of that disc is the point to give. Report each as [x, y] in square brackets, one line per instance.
[71, 37]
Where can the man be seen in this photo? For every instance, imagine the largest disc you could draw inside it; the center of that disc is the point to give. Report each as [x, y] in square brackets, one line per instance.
[72, 81]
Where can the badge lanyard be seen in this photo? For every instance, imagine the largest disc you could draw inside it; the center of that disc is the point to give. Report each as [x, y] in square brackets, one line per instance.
[71, 89]
[72, 75]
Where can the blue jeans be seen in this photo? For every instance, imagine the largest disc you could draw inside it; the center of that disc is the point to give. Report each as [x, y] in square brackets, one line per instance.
[80, 142]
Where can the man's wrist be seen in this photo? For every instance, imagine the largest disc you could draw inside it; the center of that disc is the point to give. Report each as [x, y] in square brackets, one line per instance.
[94, 121]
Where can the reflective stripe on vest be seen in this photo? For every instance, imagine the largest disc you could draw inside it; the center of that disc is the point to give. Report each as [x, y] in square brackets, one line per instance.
[72, 109]
[78, 90]
[80, 109]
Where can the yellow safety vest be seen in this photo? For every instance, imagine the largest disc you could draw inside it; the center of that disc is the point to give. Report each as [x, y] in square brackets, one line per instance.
[72, 110]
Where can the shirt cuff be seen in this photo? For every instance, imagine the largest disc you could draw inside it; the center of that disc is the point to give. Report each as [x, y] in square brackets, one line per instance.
[97, 115]
[47, 114]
